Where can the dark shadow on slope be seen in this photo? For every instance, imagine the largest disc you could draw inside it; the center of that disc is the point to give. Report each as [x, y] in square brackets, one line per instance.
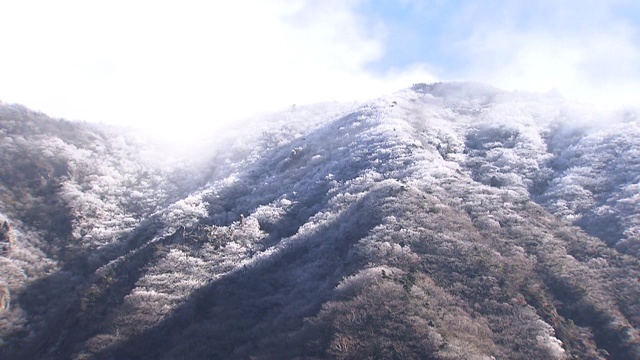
[481, 142]
[608, 334]
[34, 185]
[255, 310]
[564, 143]
[73, 300]
[295, 217]
[606, 227]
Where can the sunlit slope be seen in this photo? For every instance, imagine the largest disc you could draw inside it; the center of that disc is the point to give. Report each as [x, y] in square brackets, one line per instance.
[437, 222]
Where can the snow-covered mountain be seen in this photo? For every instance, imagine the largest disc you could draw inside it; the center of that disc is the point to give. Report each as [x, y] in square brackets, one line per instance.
[445, 221]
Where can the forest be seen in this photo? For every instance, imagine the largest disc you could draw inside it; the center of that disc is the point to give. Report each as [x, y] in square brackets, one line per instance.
[444, 221]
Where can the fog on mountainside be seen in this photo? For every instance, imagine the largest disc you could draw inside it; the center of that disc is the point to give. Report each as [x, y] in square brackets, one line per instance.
[445, 221]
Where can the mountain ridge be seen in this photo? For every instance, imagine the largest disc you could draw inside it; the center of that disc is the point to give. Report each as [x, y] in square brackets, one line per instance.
[405, 227]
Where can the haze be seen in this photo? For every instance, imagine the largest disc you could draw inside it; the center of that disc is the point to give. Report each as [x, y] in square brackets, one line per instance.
[169, 66]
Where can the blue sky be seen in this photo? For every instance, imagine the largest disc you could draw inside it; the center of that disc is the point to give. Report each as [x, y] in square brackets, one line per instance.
[415, 32]
[475, 39]
[165, 64]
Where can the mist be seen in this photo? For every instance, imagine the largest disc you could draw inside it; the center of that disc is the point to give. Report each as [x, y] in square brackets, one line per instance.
[190, 74]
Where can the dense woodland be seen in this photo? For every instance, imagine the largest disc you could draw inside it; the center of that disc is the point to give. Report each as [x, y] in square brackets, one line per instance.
[445, 221]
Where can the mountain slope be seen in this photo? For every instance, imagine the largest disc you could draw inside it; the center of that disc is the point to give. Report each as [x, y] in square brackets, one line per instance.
[438, 222]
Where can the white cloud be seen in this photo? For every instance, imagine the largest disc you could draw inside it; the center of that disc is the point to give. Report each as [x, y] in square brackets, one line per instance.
[584, 49]
[167, 63]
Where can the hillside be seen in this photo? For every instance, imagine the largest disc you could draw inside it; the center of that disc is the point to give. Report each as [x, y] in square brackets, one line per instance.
[445, 221]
